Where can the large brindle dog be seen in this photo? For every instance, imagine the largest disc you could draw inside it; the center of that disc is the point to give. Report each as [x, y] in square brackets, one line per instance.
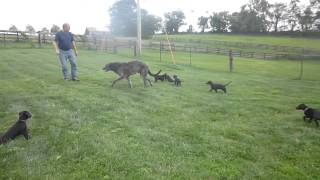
[125, 70]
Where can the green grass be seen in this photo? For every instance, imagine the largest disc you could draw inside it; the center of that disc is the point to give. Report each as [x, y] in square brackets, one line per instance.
[88, 130]
[309, 43]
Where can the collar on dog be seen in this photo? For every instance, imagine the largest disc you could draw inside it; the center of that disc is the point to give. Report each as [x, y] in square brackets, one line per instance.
[305, 110]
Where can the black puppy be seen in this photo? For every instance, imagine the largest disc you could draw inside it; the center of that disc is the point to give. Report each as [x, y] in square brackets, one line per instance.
[160, 77]
[169, 78]
[177, 81]
[19, 128]
[311, 114]
[216, 87]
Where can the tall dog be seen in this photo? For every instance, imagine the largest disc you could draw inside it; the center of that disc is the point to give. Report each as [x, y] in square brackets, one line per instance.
[125, 70]
[19, 128]
[310, 113]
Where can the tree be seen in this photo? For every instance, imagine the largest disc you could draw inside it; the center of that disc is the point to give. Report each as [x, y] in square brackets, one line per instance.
[262, 9]
[123, 18]
[292, 13]
[173, 21]
[203, 23]
[30, 29]
[306, 19]
[246, 21]
[190, 29]
[13, 28]
[54, 29]
[277, 14]
[149, 24]
[123, 15]
[220, 21]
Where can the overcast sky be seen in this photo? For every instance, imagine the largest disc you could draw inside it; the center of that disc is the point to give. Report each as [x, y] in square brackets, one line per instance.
[94, 13]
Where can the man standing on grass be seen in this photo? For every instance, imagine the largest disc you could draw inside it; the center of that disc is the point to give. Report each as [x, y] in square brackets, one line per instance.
[66, 49]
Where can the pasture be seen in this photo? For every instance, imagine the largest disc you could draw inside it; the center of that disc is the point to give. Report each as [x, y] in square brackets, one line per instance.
[88, 130]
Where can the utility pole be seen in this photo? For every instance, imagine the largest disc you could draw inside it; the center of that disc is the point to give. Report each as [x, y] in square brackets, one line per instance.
[138, 28]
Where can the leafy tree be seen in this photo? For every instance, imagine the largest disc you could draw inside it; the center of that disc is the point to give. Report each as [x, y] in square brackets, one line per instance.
[293, 12]
[13, 28]
[262, 9]
[173, 21]
[54, 29]
[203, 23]
[306, 19]
[277, 14]
[246, 21]
[150, 24]
[220, 21]
[123, 18]
[30, 29]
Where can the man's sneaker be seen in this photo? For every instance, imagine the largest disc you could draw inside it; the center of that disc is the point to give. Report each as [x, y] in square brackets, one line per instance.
[75, 79]
[66, 79]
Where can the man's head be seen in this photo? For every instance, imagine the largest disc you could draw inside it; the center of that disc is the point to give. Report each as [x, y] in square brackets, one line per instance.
[66, 27]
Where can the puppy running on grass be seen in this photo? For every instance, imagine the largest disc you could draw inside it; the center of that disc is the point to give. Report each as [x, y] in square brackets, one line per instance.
[19, 128]
[216, 86]
[309, 113]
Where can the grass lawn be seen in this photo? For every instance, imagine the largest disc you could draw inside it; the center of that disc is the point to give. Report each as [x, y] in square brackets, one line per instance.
[88, 130]
[309, 43]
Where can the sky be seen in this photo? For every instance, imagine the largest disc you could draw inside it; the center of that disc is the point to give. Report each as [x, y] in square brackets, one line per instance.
[94, 13]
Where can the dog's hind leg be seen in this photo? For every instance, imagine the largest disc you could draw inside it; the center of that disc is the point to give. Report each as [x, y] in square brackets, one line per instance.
[130, 83]
[317, 123]
[149, 81]
[116, 80]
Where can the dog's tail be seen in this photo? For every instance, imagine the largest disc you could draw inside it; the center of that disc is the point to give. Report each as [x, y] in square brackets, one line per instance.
[149, 72]
[228, 83]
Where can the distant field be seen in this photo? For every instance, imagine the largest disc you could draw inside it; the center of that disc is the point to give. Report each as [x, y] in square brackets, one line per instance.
[88, 130]
[312, 43]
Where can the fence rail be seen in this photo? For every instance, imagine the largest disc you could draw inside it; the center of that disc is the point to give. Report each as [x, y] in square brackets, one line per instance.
[112, 44]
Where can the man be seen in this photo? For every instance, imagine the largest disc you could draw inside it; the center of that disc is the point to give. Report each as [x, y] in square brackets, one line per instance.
[66, 49]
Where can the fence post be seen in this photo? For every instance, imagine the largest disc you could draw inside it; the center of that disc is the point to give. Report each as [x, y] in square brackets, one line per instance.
[301, 64]
[230, 61]
[114, 47]
[190, 56]
[4, 39]
[135, 50]
[39, 38]
[160, 51]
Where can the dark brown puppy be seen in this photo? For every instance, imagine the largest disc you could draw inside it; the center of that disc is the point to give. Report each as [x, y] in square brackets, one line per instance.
[19, 128]
[216, 86]
[125, 70]
[309, 113]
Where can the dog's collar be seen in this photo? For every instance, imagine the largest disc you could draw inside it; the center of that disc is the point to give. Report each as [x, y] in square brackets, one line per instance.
[306, 109]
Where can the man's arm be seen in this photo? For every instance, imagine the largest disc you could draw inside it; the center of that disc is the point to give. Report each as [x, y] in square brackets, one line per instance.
[55, 45]
[75, 48]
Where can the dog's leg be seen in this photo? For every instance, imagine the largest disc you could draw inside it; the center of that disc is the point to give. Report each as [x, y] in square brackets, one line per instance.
[130, 83]
[116, 80]
[225, 90]
[149, 81]
[317, 123]
[216, 90]
[304, 118]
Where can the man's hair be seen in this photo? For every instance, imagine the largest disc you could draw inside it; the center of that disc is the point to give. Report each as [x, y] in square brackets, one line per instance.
[65, 24]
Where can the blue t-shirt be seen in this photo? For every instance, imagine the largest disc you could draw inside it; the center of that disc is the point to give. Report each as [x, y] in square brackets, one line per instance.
[64, 40]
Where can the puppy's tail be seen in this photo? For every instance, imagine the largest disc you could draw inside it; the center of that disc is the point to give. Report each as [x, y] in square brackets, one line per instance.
[228, 83]
[149, 72]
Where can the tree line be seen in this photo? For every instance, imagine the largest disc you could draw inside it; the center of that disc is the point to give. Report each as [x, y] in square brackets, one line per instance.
[256, 16]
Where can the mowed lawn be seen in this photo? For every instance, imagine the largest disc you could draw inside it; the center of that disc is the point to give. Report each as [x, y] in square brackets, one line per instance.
[309, 43]
[88, 130]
